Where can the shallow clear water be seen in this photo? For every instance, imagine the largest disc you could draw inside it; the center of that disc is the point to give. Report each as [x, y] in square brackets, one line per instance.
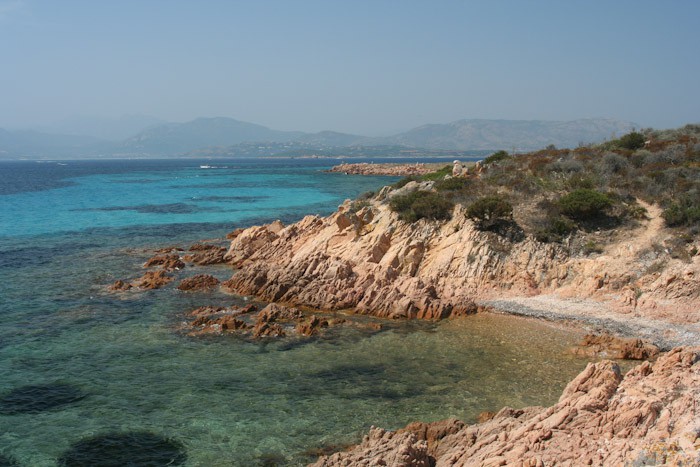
[78, 362]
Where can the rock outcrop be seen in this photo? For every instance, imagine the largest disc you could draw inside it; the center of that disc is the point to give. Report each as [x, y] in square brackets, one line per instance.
[199, 282]
[369, 260]
[150, 280]
[649, 417]
[203, 254]
[165, 261]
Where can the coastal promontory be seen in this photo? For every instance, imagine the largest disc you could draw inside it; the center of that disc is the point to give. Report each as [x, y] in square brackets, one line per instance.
[605, 236]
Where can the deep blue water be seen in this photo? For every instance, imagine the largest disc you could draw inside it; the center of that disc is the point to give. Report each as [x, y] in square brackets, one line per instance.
[90, 377]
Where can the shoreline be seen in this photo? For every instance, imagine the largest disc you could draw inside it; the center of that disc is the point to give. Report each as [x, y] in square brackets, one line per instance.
[663, 334]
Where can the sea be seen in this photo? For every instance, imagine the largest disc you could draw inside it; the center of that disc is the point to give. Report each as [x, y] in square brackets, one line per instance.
[90, 377]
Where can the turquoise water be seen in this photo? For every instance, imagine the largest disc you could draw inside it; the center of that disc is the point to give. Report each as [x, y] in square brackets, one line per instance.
[89, 376]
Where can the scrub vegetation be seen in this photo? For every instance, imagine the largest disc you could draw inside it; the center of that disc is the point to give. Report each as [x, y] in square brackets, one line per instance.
[555, 193]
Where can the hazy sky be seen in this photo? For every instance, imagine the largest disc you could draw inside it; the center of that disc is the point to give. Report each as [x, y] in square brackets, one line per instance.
[372, 67]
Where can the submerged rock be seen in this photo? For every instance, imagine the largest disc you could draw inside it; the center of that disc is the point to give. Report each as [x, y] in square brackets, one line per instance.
[608, 346]
[6, 461]
[273, 321]
[139, 448]
[39, 398]
[206, 311]
[647, 417]
[120, 286]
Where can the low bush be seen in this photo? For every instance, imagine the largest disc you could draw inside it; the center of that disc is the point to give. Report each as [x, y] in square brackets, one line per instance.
[576, 182]
[591, 247]
[438, 174]
[421, 204]
[565, 166]
[555, 229]
[496, 157]
[432, 176]
[633, 140]
[358, 205]
[584, 203]
[613, 164]
[489, 209]
[452, 184]
[684, 212]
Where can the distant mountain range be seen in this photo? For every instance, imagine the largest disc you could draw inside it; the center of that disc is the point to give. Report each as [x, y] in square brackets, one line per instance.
[221, 136]
[107, 129]
[508, 134]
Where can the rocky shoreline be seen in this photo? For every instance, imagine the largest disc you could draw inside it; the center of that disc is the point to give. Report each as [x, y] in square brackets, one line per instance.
[365, 259]
[648, 417]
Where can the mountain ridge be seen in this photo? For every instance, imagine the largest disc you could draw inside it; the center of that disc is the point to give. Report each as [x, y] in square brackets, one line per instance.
[178, 139]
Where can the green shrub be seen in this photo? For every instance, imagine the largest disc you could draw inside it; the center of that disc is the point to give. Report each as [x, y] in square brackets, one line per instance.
[632, 141]
[686, 211]
[489, 209]
[452, 184]
[438, 174]
[613, 164]
[358, 205]
[421, 204]
[496, 157]
[591, 247]
[577, 181]
[584, 204]
[556, 228]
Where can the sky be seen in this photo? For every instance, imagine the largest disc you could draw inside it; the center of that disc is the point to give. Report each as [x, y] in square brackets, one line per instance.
[371, 67]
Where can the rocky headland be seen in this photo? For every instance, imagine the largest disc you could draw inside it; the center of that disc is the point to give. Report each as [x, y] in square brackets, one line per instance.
[559, 235]
[370, 261]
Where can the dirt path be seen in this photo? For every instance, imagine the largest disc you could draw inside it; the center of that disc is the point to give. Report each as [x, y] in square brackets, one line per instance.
[642, 238]
[603, 313]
